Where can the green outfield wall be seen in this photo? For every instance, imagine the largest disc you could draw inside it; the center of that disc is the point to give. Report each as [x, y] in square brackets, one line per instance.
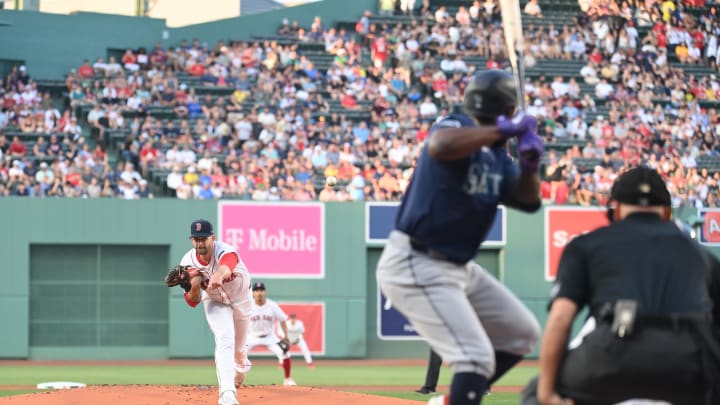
[83, 279]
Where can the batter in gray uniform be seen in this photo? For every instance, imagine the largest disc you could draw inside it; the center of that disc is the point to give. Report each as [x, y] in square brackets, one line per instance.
[427, 270]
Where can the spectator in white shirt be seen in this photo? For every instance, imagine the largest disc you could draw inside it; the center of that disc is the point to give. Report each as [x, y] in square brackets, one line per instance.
[578, 128]
[632, 34]
[688, 161]
[603, 89]
[266, 117]
[532, 8]
[452, 63]
[694, 53]
[398, 152]
[428, 109]
[589, 73]
[187, 156]
[174, 180]
[559, 87]
[243, 127]
[441, 15]
[537, 109]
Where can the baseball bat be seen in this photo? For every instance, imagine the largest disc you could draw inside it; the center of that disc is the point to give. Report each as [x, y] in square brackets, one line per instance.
[515, 43]
[512, 29]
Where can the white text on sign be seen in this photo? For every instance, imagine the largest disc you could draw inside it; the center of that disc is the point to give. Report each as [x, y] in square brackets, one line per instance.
[295, 240]
[562, 238]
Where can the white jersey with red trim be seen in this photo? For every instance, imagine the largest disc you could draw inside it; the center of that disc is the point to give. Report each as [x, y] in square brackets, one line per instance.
[236, 290]
[295, 330]
[264, 316]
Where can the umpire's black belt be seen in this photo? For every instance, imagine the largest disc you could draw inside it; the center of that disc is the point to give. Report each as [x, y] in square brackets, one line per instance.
[672, 321]
[423, 248]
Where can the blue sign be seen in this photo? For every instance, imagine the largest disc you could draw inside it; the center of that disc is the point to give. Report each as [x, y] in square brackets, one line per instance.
[392, 325]
[380, 220]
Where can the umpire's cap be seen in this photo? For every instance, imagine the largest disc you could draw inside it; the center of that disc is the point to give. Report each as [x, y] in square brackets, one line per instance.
[201, 228]
[258, 286]
[641, 186]
[489, 94]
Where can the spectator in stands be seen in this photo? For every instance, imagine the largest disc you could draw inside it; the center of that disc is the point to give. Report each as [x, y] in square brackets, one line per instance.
[17, 148]
[532, 8]
[386, 7]
[85, 71]
[23, 77]
[428, 110]
[397, 94]
[407, 7]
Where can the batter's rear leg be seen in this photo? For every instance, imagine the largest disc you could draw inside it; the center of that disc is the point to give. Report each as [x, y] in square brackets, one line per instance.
[511, 326]
[436, 304]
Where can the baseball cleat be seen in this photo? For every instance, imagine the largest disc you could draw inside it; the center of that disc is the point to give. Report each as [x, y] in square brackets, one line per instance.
[289, 382]
[241, 373]
[441, 400]
[239, 379]
[228, 398]
[425, 390]
[310, 365]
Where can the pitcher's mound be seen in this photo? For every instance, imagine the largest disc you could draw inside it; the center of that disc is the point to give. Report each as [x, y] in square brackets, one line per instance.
[191, 395]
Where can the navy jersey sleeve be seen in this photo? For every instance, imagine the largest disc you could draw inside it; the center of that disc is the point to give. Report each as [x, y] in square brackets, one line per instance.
[453, 121]
[572, 277]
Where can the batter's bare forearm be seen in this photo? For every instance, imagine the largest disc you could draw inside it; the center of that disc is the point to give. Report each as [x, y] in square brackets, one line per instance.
[458, 143]
[527, 191]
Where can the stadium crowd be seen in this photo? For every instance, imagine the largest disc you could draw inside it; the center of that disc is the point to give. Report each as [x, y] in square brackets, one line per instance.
[284, 126]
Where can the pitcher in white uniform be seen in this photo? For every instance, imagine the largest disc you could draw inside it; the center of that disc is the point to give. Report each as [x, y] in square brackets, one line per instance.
[265, 313]
[224, 290]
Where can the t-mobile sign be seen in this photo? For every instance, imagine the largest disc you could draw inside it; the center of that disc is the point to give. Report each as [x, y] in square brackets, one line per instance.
[276, 240]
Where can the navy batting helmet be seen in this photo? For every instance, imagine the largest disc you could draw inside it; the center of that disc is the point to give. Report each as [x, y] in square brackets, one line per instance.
[489, 94]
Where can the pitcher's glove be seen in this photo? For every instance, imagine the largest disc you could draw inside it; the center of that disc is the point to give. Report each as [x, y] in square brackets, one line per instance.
[284, 345]
[181, 275]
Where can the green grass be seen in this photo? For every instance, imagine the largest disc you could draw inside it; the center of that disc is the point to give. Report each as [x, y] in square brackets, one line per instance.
[7, 393]
[204, 374]
[518, 376]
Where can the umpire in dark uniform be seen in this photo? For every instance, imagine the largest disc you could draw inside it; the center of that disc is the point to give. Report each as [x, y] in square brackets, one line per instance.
[651, 289]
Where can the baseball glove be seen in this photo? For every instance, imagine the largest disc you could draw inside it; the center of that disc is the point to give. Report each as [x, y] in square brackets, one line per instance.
[284, 345]
[181, 275]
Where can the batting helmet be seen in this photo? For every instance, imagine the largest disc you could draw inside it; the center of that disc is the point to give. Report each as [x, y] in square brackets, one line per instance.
[489, 94]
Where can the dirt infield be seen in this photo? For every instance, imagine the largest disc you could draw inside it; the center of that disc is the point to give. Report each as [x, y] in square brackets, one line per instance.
[165, 395]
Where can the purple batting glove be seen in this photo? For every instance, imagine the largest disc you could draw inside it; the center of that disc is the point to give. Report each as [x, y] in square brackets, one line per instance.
[517, 126]
[530, 149]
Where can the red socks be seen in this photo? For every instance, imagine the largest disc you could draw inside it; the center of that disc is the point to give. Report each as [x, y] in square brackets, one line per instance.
[286, 367]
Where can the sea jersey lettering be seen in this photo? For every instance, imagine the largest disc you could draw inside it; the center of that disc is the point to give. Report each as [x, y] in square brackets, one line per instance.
[481, 181]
